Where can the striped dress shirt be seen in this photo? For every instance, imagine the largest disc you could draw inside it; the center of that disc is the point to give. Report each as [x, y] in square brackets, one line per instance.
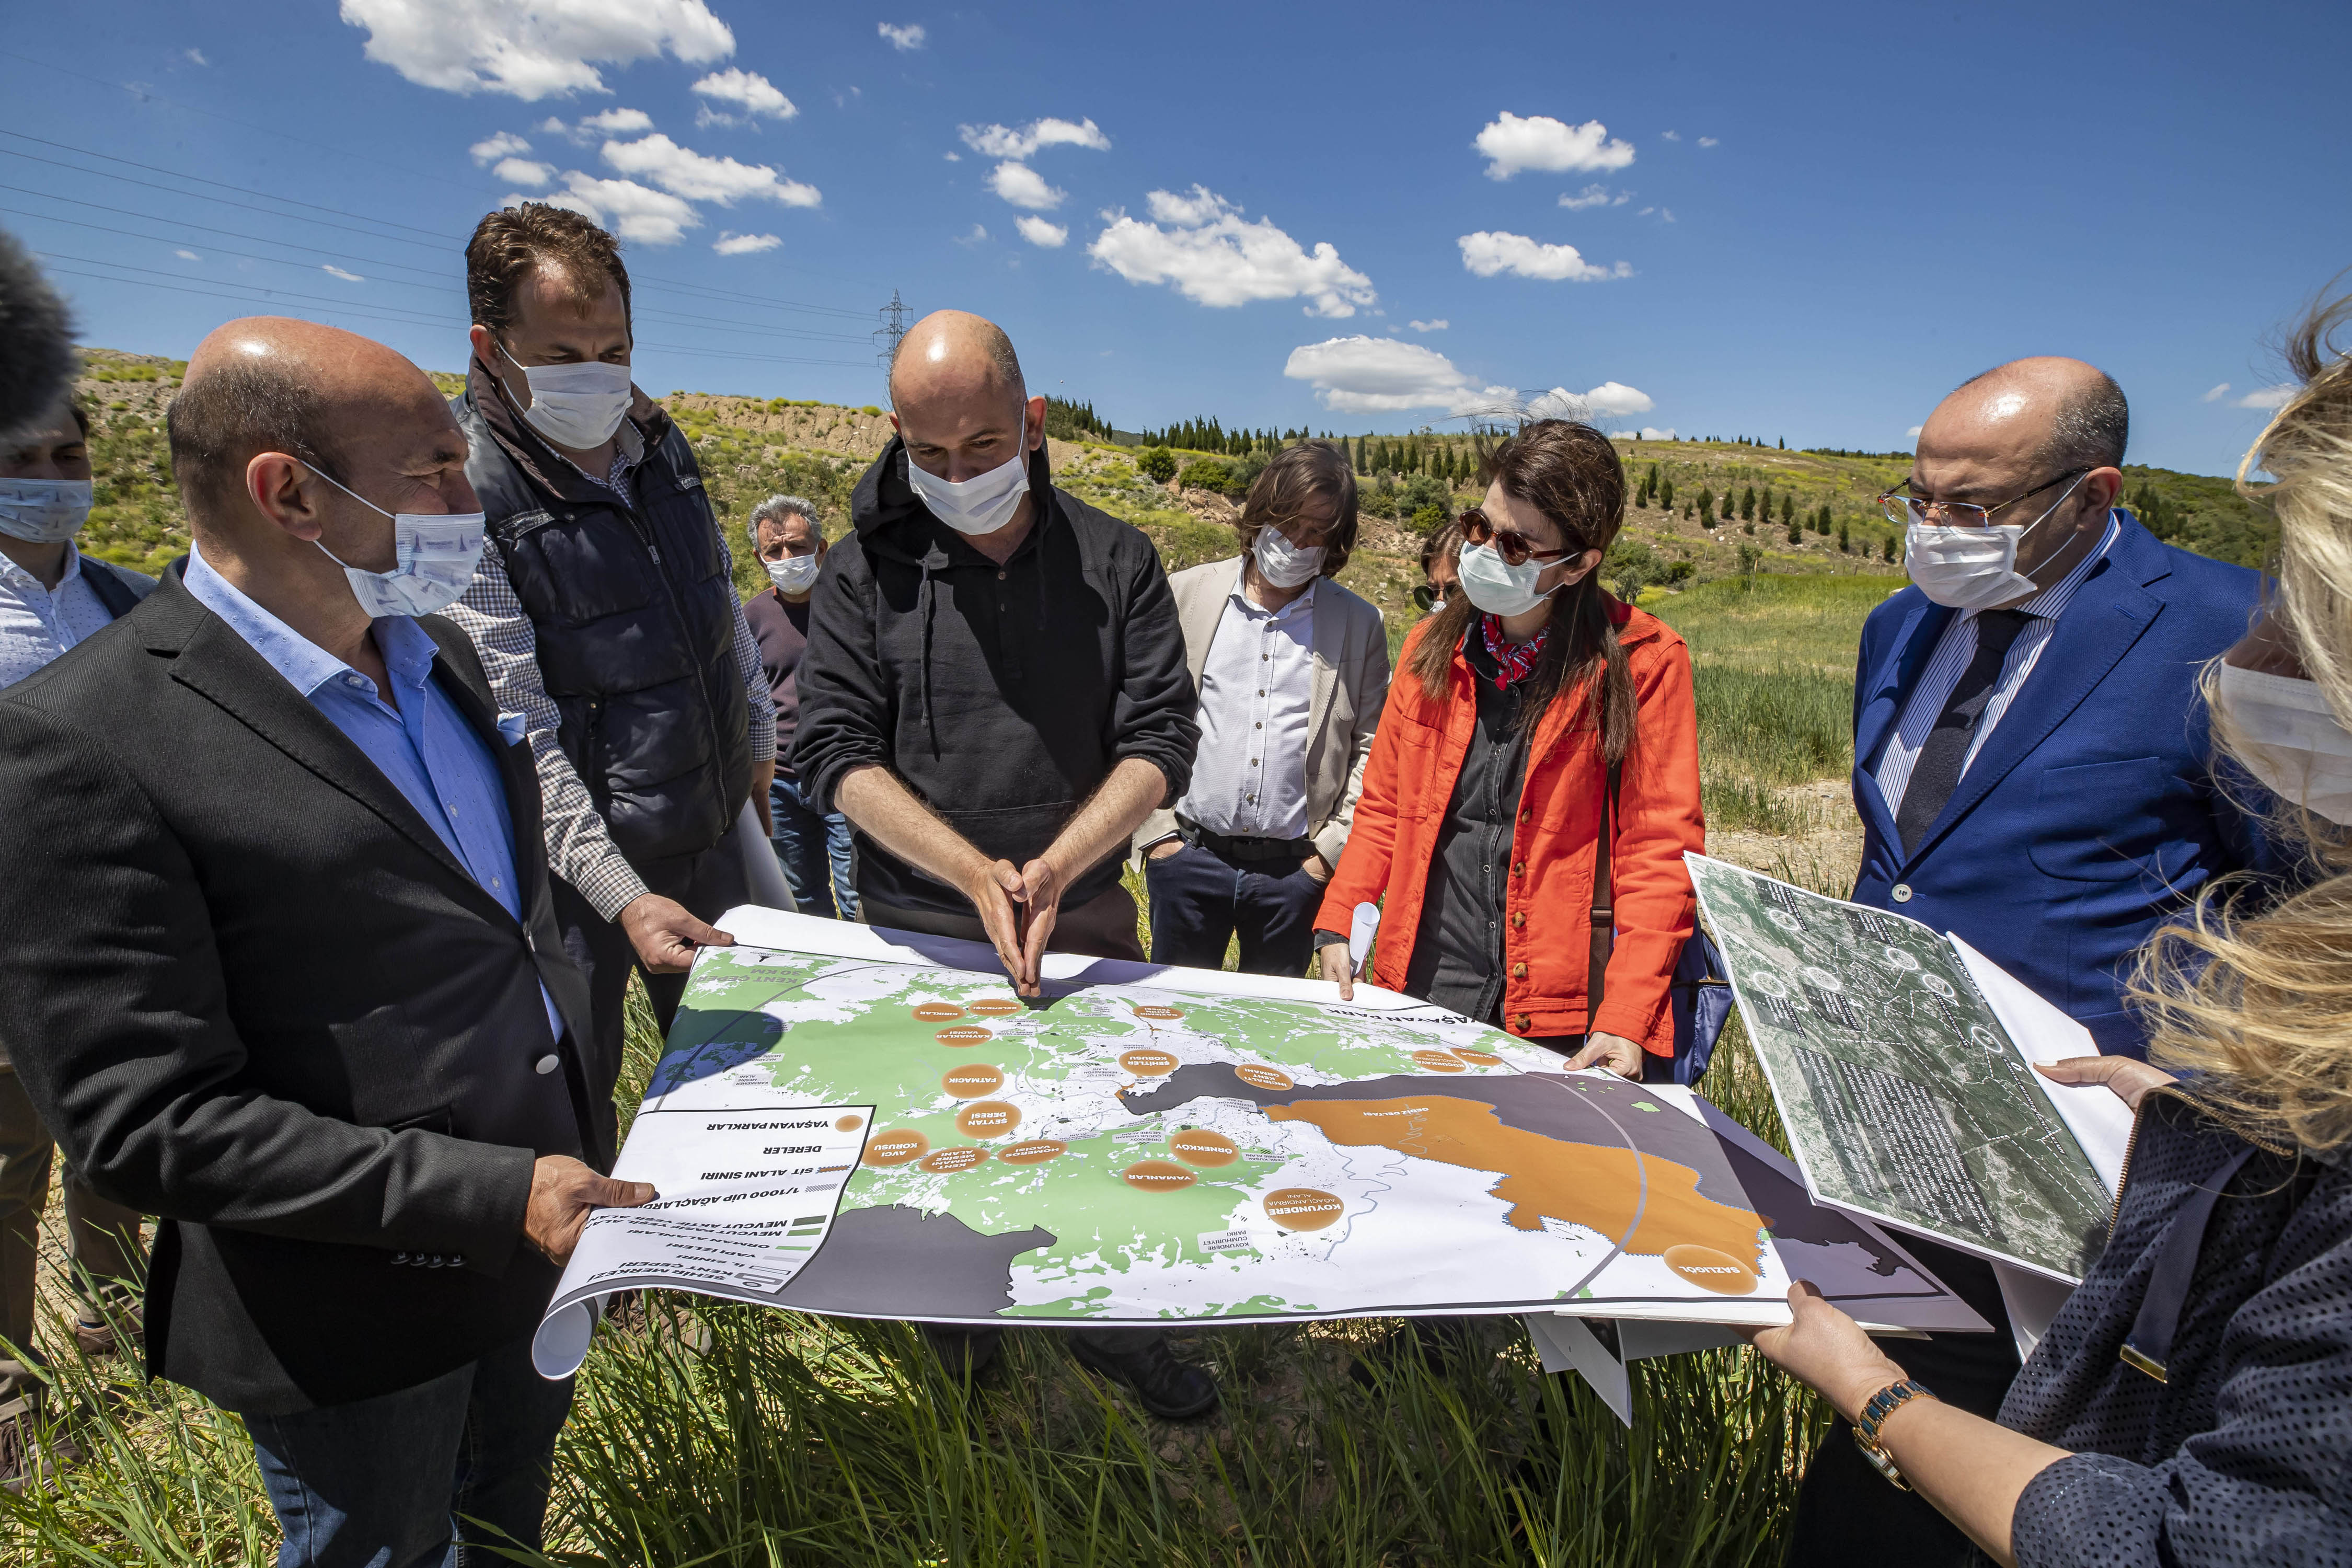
[1957, 646]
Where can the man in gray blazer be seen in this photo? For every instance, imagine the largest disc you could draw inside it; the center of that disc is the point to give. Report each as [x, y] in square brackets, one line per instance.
[1292, 670]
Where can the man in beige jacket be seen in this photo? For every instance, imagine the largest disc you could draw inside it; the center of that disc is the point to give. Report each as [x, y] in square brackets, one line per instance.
[1292, 670]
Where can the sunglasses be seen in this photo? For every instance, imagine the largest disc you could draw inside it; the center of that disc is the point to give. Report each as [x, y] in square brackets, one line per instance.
[1514, 548]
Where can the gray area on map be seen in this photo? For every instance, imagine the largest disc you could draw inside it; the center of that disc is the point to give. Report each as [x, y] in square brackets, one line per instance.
[1900, 1090]
[924, 1264]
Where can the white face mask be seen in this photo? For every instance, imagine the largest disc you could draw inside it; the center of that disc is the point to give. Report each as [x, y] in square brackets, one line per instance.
[1282, 563]
[2283, 730]
[575, 405]
[794, 574]
[43, 511]
[981, 504]
[1972, 568]
[1496, 586]
[436, 552]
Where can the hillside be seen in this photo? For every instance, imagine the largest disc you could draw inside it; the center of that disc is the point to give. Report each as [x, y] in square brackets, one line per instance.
[753, 447]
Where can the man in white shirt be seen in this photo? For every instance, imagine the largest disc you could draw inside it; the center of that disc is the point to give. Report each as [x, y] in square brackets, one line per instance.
[1292, 670]
[51, 597]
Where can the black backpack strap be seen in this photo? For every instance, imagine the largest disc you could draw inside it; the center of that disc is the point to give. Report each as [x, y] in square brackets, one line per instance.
[1604, 904]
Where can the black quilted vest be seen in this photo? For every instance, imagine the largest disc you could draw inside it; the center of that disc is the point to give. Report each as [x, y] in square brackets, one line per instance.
[634, 617]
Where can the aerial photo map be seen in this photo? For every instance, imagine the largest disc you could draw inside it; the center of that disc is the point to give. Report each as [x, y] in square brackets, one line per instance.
[1904, 1097]
[877, 1137]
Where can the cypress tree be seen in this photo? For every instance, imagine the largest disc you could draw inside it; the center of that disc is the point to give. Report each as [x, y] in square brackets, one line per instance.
[1890, 547]
[1845, 541]
[1666, 493]
[1748, 502]
[1796, 531]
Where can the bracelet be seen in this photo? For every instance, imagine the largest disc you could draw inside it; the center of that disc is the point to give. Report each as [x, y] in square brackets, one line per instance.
[1882, 1404]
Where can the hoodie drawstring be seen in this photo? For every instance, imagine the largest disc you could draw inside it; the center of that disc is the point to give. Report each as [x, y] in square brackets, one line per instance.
[934, 559]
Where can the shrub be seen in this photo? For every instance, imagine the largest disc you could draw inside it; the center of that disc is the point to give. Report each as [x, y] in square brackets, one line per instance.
[1209, 474]
[1426, 500]
[1157, 462]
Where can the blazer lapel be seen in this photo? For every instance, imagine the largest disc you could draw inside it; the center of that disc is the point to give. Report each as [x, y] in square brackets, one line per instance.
[1323, 652]
[1197, 616]
[216, 662]
[1888, 688]
[2092, 633]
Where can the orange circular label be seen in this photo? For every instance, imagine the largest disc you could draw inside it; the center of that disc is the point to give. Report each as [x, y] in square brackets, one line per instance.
[947, 1161]
[1149, 1063]
[895, 1148]
[937, 1012]
[963, 1035]
[1711, 1270]
[973, 1079]
[988, 1118]
[1303, 1208]
[1479, 1058]
[1438, 1061]
[1035, 1152]
[1153, 1010]
[1199, 1146]
[1158, 1176]
[996, 1006]
[849, 1124]
[1257, 1074]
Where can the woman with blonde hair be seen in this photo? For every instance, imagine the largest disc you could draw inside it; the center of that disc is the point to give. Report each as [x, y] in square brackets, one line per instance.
[2193, 1402]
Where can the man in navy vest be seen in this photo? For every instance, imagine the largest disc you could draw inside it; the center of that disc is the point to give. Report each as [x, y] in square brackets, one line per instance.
[606, 612]
[2034, 773]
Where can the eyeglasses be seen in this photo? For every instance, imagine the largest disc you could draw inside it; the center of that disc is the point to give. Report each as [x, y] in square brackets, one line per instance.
[1514, 548]
[1427, 598]
[1906, 509]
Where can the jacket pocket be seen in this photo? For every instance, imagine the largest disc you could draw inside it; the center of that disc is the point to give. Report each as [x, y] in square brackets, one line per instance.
[2108, 822]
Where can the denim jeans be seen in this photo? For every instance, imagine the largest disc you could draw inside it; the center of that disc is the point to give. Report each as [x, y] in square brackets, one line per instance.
[1200, 900]
[378, 1483]
[814, 850]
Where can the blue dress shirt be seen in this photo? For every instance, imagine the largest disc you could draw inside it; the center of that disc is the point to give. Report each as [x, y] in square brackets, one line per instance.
[426, 747]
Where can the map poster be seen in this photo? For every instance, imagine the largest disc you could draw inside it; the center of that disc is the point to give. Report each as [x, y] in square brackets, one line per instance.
[1905, 1096]
[873, 1124]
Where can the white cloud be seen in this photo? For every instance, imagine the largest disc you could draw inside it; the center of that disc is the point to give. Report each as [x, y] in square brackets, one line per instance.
[531, 49]
[1437, 324]
[187, 255]
[1615, 400]
[1594, 196]
[1381, 376]
[615, 123]
[627, 209]
[1486, 253]
[1216, 258]
[1913, 433]
[952, 157]
[1002, 142]
[195, 57]
[699, 177]
[505, 145]
[910, 36]
[2267, 397]
[1648, 433]
[1672, 135]
[744, 243]
[1024, 187]
[551, 126]
[1038, 231]
[1539, 141]
[979, 236]
[1709, 142]
[752, 93]
[2217, 393]
[331, 270]
[523, 172]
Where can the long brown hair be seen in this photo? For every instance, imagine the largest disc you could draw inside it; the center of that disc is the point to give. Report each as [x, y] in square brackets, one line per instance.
[1571, 474]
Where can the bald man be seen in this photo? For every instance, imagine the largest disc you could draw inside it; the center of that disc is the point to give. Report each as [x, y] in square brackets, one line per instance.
[283, 966]
[2033, 774]
[995, 695]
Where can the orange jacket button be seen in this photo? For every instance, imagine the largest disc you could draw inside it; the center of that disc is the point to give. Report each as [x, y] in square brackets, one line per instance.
[1518, 972]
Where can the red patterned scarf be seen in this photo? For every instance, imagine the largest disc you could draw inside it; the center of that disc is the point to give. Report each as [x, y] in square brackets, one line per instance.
[1513, 660]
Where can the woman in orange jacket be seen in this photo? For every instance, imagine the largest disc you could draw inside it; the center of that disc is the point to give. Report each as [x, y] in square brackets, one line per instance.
[1486, 788]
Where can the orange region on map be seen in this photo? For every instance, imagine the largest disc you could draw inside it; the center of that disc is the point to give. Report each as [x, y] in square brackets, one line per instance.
[1581, 1183]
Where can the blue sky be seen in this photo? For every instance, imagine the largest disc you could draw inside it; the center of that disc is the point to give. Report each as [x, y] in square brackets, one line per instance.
[1807, 223]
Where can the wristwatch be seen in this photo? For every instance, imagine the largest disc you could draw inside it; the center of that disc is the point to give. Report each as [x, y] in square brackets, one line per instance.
[1883, 1403]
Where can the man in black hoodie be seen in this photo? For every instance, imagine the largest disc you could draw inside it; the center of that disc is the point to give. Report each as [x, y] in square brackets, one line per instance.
[995, 695]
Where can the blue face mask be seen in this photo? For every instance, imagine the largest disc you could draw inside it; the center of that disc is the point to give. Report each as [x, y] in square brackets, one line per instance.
[436, 553]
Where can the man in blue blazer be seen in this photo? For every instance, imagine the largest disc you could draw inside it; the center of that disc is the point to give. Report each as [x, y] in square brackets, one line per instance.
[2033, 774]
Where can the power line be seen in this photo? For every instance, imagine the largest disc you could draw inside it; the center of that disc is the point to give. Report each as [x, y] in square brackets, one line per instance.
[248, 206]
[200, 180]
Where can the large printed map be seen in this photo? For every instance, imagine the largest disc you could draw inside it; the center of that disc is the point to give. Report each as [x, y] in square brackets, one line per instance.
[1904, 1096]
[870, 1136]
